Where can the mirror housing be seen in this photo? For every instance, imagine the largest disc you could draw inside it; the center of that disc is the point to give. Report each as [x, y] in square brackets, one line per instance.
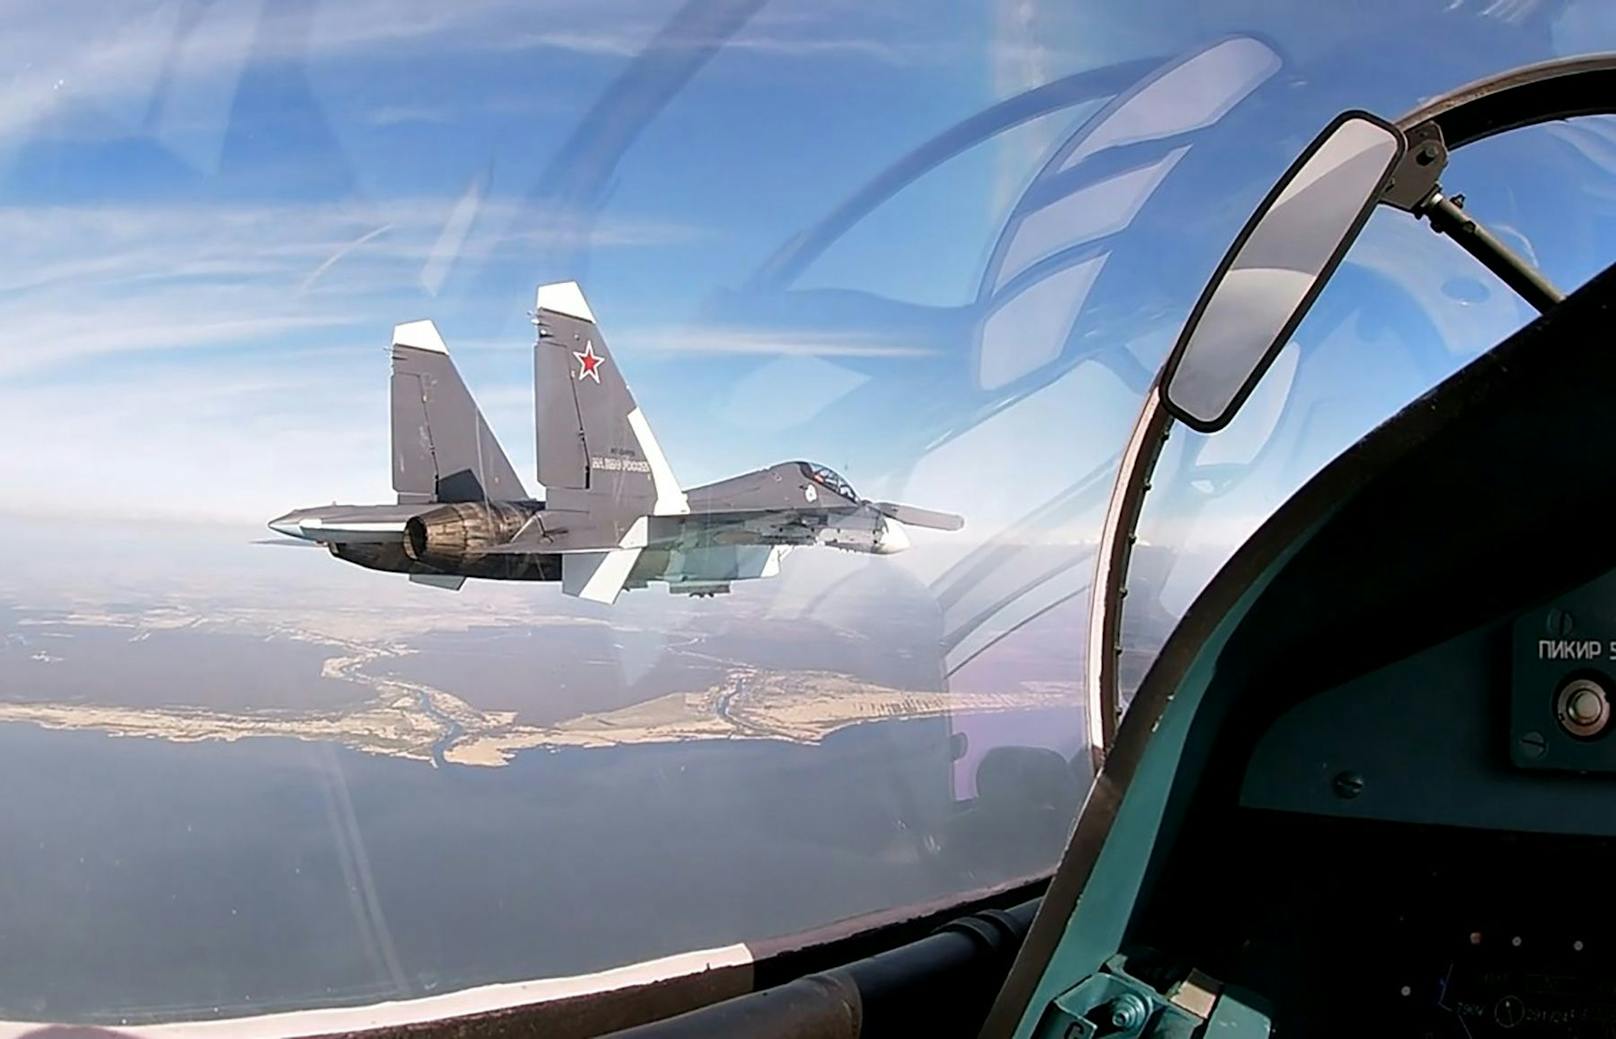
[1276, 268]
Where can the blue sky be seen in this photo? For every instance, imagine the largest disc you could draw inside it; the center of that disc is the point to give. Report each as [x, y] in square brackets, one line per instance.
[216, 211]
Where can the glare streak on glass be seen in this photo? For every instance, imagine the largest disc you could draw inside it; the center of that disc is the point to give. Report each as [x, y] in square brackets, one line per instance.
[1190, 96]
[1090, 212]
[1028, 330]
[874, 256]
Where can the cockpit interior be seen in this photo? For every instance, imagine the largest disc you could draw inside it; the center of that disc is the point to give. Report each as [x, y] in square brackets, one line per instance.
[1392, 813]
[828, 477]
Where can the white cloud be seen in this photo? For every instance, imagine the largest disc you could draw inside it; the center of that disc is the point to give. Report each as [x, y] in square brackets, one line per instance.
[397, 115]
[85, 281]
[175, 443]
[443, 113]
[160, 67]
[289, 408]
[786, 392]
[720, 339]
[621, 29]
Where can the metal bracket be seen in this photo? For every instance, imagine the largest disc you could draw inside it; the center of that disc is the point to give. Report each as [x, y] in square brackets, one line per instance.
[1114, 1004]
[1448, 217]
[1414, 188]
[1415, 178]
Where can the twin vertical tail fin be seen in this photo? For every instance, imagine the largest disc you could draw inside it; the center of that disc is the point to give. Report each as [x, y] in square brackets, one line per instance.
[597, 457]
[596, 451]
[443, 450]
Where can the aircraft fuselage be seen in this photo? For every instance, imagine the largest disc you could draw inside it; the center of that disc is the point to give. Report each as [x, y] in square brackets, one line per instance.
[613, 515]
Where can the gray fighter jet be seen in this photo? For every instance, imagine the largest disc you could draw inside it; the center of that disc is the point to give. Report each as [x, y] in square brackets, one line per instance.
[613, 516]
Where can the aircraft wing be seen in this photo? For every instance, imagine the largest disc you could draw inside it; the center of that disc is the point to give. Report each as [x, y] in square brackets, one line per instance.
[911, 515]
[597, 576]
[595, 560]
[915, 516]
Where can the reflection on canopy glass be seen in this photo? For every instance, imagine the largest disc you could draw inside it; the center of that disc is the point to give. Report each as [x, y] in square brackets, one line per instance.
[943, 254]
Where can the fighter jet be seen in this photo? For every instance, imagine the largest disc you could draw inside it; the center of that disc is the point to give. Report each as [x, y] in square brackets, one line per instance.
[613, 515]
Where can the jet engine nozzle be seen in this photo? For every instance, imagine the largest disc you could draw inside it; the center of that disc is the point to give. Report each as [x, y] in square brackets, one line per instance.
[447, 539]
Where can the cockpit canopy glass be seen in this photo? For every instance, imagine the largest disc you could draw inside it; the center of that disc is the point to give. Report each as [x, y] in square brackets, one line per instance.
[828, 477]
[950, 252]
[1405, 309]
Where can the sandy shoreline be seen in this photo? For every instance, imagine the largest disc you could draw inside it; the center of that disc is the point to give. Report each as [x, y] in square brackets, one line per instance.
[795, 707]
[416, 721]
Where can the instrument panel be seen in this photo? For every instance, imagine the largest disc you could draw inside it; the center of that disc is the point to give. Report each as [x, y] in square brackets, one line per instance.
[1563, 682]
[1425, 850]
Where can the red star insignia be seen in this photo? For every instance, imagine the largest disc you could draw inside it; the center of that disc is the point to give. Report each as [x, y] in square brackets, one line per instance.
[589, 363]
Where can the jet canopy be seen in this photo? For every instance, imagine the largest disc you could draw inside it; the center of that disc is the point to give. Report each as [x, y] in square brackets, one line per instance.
[827, 477]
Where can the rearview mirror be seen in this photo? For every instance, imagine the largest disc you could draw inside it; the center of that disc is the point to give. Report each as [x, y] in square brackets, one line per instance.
[1276, 268]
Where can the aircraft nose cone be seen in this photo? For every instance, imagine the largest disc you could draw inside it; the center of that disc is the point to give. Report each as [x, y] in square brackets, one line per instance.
[894, 538]
[287, 525]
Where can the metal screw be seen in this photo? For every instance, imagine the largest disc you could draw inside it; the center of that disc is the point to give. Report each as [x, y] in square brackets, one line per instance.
[1533, 744]
[1126, 1012]
[1559, 623]
[1348, 785]
[1427, 153]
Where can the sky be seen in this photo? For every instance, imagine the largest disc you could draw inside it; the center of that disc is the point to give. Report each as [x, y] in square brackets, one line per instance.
[216, 211]
[222, 209]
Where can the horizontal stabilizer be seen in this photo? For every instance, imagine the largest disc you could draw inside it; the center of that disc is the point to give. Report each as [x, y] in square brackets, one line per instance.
[917, 517]
[448, 582]
[597, 576]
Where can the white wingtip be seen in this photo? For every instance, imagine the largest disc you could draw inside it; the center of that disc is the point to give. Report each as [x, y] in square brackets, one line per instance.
[565, 297]
[423, 335]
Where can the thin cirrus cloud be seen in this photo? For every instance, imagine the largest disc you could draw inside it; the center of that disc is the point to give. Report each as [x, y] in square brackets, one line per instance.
[149, 66]
[725, 339]
[222, 361]
[622, 29]
[181, 357]
[621, 42]
[84, 281]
